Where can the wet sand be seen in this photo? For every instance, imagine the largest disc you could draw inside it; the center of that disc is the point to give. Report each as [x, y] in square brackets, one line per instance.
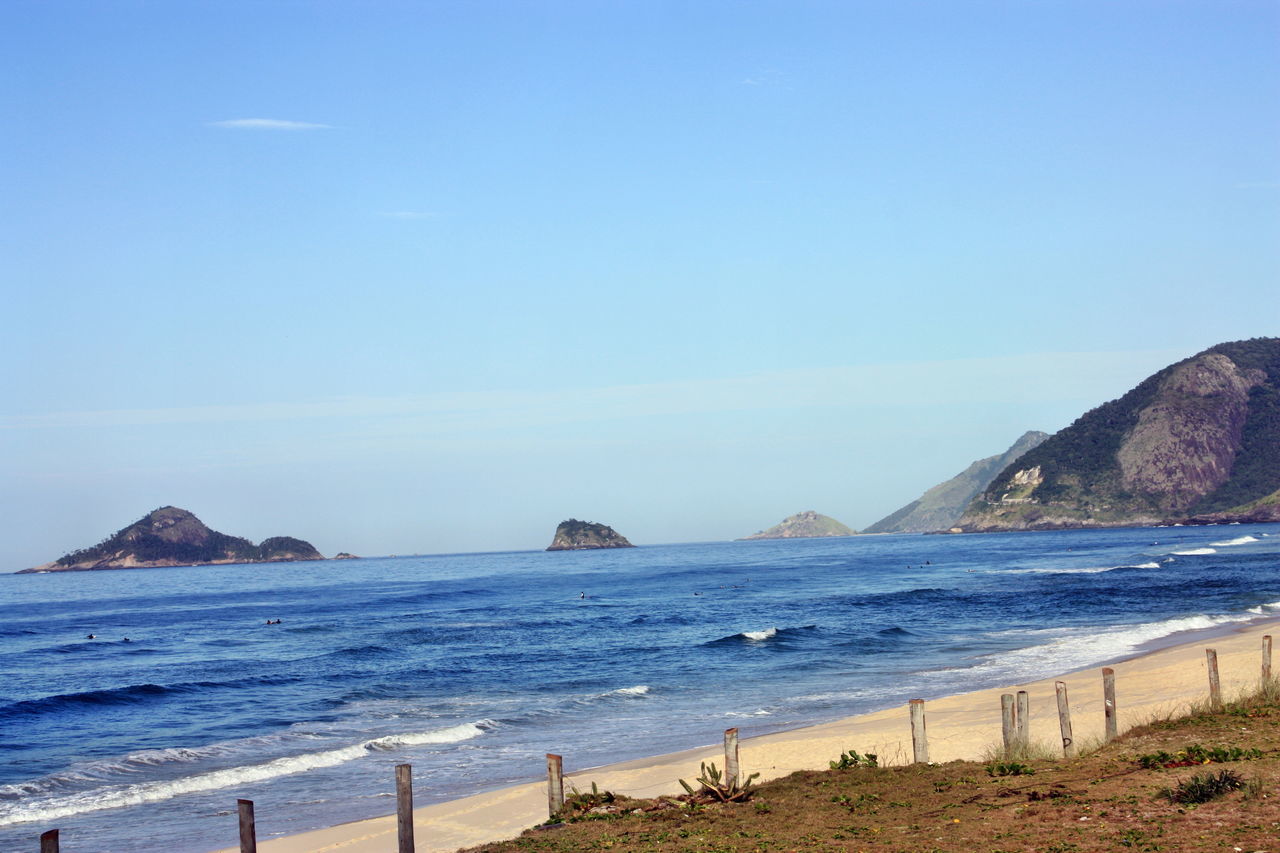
[1156, 684]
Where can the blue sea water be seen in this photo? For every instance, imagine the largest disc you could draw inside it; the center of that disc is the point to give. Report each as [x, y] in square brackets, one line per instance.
[472, 666]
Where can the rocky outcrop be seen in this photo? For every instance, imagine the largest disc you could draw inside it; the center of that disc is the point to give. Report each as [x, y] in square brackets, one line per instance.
[1198, 442]
[804, 525]
[343, 555]
[170, 536]
[940, 507]
[574, 535]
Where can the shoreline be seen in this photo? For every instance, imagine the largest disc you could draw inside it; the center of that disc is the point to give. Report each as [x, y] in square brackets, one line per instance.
[1155, 682]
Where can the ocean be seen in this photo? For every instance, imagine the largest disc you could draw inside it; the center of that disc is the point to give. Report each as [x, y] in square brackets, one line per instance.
[472, 666]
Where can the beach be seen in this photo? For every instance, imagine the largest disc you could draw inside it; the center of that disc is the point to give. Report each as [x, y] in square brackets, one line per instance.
[966, 726]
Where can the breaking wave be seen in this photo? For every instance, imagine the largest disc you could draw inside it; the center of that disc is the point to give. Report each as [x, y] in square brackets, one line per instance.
[1239, 540]
[1196, 552]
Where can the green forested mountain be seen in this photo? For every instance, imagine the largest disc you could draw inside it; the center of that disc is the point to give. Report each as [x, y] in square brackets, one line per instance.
[1199, 440]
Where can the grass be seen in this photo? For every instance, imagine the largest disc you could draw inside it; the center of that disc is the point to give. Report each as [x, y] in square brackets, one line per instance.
[1105, 800]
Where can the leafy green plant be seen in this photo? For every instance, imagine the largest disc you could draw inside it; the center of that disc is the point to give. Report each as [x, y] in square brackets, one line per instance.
[713, 787]
[1204, 787]
[582, 805]
[851, 759]
[1009, 768]
[1197, 754]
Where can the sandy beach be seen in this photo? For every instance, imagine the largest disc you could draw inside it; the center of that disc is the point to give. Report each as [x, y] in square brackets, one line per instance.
[963, 726]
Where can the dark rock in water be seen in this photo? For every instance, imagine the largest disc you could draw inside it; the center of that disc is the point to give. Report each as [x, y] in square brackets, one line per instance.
[941, 506]
[343, 555]
[804, 525]
[1198, 442]
[170, 536]
[574, 535]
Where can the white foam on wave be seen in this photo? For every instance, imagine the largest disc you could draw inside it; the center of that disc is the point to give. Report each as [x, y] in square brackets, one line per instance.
[766, 634]
[1084, 646]
[117, 796]
[1088, 570]
[638, 690]
[1196, 552]
[1239, 540]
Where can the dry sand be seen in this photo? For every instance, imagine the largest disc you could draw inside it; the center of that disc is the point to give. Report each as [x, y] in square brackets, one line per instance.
[964, 726]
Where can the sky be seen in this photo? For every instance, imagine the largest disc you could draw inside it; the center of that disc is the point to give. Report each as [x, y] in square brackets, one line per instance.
[427, 277]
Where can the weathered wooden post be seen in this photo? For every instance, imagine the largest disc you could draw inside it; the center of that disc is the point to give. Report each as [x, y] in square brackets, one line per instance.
[49, 841]
[1215, 687]
[1008, 723]
[248, 832]
[1266, 659]
[731, 756]
[555, 784]
[919, 740]
[1064, 721]
[1022, 717]
[1109, 703]
[404, 807]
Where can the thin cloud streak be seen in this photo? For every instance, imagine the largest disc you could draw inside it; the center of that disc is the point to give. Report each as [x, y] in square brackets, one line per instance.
[1038, 377]
[268, 124]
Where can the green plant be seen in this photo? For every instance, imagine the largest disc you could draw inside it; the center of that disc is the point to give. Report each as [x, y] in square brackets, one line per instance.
[712, 786]
[1009, 768]
[580, 805]
[851, 759]
[1204, 787]
[1197, 754]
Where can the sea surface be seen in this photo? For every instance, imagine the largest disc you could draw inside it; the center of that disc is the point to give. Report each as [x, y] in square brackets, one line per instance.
[471, 667]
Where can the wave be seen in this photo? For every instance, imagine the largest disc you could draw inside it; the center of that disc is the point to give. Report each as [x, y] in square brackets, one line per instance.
[116, 796]
[1196, 552]
[766, 634]
[132, 694]
[1088, 570]
[638, 690]
[1239, 540]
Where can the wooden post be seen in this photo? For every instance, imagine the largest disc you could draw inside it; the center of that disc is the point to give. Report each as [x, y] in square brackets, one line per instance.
[49, 841]
[1109, 703]
[919, 740]
[1266, 659]
[1022, 717]
[248, 832]
[1064, 721]
[731, 756]
[1215, 687]
[404, 807]
[1008, 723]
[555, 784]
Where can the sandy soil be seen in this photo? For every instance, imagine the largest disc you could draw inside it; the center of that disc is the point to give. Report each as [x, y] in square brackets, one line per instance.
[964, 726]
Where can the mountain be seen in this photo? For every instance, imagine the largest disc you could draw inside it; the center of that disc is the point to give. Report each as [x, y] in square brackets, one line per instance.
[574, 535]
[170, 536]
[804, 525]
[938, 508]
[1197, 442]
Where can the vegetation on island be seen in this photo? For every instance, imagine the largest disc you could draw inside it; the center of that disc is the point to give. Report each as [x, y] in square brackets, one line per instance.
[1200, 438]
[805, 525]
[1206, 781]
[575, 535]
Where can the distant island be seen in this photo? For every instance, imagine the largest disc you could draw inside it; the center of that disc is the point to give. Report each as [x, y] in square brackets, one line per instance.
[804, 525]
[574, 535]
[170, 536]
[1196, 443]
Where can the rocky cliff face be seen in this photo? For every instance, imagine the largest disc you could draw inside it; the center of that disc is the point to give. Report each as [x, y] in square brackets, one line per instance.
[1200, 440]
[574, 535]
[170, 536]
[804, 525]
[941, 506]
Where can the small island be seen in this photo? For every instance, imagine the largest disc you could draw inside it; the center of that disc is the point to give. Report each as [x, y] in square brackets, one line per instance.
[574, 535]
[804, 525]
[171, 536]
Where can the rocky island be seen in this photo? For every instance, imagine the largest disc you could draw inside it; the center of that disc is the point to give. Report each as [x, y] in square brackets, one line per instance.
[574, 535]
[170, 536]
[804, 525]
[1197, 442]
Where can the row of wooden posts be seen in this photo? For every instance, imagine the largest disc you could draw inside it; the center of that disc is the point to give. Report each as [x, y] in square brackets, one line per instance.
[1014, 712]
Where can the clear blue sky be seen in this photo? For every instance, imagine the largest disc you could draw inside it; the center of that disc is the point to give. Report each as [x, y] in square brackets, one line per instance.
[405, 277]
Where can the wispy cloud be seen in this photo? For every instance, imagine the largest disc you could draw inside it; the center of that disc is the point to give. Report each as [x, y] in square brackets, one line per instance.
[268, 124]
[1078, 377]
[407, 214]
